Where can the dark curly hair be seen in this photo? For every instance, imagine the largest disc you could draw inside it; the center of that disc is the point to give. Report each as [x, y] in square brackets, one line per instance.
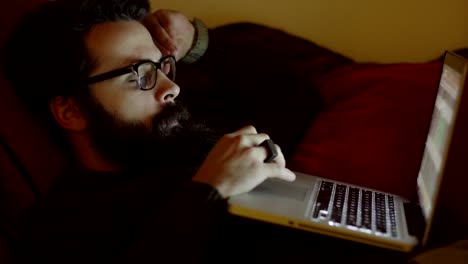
[46, 57]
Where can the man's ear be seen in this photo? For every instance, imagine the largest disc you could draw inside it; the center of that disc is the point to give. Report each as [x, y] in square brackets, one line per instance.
[67, 114]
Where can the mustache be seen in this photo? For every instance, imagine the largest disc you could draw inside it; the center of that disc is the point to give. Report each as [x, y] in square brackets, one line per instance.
[171, 114]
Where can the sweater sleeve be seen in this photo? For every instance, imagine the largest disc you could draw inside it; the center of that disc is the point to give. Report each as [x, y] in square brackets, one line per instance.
[200, 42]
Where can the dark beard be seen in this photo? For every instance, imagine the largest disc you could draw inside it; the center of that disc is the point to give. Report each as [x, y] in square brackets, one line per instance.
[135, 146]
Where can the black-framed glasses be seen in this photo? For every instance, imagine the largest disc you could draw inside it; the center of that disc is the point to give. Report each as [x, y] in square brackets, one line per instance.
[146, 72]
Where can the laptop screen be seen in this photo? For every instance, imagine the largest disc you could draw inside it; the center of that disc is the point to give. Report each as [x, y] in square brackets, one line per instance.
[440, 132]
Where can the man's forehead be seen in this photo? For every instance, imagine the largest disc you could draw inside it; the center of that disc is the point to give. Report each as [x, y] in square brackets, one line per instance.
[118, 44]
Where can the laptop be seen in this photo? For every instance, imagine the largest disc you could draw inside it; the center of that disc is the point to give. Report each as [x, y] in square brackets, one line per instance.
[365, 215]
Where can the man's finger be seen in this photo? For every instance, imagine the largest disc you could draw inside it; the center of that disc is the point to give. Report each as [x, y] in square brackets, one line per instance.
[276, 171]
[164, 51]
[245, 130]
[256, 153]
[256, 139]
[248, 140]
[166, 39]
[160, 35]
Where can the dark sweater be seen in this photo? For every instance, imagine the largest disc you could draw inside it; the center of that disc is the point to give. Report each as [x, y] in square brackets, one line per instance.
[93, 217]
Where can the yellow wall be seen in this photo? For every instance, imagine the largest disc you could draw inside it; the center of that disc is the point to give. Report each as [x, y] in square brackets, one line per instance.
[366, 30]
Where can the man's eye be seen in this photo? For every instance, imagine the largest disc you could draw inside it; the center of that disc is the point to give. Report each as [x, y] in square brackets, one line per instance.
[132, 83]
[131, 78]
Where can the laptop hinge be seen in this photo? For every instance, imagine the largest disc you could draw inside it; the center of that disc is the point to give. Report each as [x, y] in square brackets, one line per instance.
[415, 220]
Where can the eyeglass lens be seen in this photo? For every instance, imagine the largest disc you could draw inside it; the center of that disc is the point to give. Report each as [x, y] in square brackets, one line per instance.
[147, 73]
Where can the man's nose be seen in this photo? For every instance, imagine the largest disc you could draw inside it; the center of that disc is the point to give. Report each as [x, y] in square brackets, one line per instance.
[166, 90]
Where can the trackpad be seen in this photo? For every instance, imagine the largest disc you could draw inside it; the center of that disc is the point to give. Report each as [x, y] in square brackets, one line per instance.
[283, 189]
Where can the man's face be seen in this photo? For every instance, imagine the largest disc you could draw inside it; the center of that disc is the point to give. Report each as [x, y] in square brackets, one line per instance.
[114, 45]
[129, 126]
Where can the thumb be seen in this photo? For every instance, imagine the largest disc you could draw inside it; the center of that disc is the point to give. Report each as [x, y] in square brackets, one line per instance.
[276, 171]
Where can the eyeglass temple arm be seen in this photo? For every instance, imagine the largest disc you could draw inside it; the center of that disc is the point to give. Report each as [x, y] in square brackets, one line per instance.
[109, 75]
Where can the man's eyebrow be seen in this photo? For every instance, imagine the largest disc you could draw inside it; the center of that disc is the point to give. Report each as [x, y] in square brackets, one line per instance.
[94, 62]
[131, 61]
[137, 58]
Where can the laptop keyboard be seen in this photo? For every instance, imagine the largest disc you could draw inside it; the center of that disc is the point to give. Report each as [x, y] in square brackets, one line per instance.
[356, 208]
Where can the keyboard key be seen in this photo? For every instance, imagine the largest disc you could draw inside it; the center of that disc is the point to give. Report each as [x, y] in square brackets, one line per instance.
[380, 213]
[352, 206]
[338, 203]
[366, 210]
[392, 216]
[323, 198]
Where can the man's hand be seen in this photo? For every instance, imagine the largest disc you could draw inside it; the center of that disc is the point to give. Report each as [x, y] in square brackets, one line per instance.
[172, 32]
[236, 163]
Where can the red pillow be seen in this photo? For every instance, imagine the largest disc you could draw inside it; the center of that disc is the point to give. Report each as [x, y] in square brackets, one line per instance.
[373, 127]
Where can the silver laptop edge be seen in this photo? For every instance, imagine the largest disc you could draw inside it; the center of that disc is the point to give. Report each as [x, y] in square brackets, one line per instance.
[290, 209]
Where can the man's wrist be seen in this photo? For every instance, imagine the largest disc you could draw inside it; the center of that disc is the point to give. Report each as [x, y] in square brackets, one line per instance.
[209, 192]
[200, 42]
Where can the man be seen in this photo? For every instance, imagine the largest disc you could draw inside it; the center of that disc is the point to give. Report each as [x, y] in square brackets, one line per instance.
[146, 179]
